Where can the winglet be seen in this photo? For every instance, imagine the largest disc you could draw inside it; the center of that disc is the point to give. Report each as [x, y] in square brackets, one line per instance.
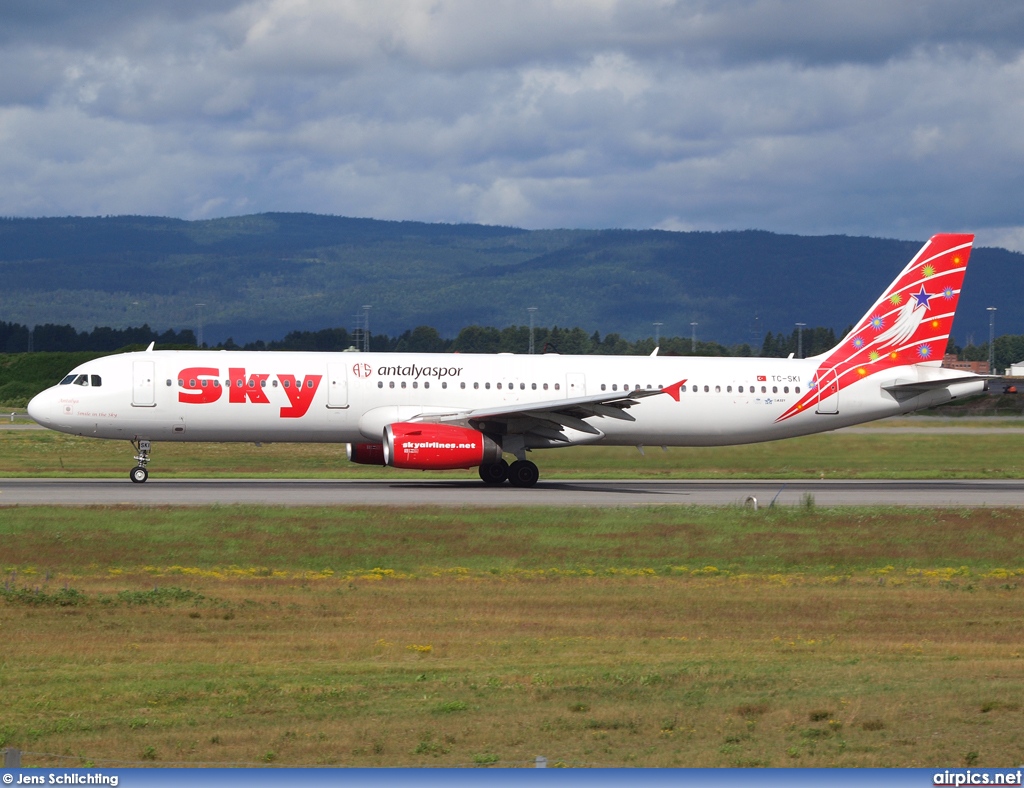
[151, 346]
[673, 390]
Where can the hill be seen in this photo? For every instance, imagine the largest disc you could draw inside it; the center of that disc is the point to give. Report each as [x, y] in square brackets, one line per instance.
[261, 276]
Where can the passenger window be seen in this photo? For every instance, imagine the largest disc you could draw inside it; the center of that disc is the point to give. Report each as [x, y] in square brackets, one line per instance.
[403, 384]
[263, 383]
[718, 389]
[82, 380]
[274, 384]
[69, 379]
[522, 386]
[728, 389]
[462, 385]
[181, 382]
[707, 389]
[191, 383]
[785, 389]
[693, 388]
[545, 386]
[204, 383]
[533, 386]
[426, 384]
[380, 384]
[487, 385]
[169, 382]
[615, 386]
[287, 385]
[740, 389]
[216, 383]
[797, 390]
[252, 383]
[415, 385]
[499, 386]
[764, 390]
[775, 389]
[309, 384]
[476, 385]
[557, 386]
[391, 384]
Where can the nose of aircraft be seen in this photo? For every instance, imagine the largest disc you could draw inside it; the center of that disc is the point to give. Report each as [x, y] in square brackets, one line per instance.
[40, 408]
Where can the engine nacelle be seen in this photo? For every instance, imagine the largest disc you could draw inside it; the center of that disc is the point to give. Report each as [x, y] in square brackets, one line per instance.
[366, 453]
[437, 447]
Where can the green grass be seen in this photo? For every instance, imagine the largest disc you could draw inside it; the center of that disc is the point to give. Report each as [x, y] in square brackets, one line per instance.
[661, 540]
[934, 455]
[665, 636]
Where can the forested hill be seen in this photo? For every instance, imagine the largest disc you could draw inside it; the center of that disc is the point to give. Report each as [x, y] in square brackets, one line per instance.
[262, 276]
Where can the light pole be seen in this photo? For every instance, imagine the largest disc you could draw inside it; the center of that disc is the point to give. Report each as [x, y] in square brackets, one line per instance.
[531, 310]
[199, 337]
[366, 327]
[991, 337]
[800, 340]
[657, 333]
[693, 337]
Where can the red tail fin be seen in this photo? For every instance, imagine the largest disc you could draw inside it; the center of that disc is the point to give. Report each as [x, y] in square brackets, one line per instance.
[908, 324]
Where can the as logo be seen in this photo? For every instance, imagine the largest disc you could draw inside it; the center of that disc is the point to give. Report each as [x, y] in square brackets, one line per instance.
[361, 370]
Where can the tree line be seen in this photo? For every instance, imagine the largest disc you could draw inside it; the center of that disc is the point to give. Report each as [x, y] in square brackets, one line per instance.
[18, 338]
[51, 338]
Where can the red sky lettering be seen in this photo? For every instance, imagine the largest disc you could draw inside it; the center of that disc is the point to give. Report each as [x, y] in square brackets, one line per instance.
[299, 394]
[242, 388]
[192, 380]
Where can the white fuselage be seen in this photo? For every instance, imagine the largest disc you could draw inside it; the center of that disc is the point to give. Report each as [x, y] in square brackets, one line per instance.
[351, 397]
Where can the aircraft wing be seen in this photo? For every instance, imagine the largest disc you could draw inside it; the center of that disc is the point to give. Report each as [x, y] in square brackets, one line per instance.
[550, 418]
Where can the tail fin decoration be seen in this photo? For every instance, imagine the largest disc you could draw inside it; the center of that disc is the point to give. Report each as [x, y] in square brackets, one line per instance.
[908, 324]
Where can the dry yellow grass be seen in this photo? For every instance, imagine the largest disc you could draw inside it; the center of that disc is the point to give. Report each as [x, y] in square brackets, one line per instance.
[870, 668]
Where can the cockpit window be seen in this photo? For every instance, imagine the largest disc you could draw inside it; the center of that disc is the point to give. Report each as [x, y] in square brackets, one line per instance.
[68, 380]
[96, 380]
[82, 380]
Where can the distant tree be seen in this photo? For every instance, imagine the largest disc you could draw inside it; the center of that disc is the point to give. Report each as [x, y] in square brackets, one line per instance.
[478, 339]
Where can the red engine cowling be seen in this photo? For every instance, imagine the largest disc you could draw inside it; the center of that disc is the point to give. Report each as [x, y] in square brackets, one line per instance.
[437, 447]
[366, 453]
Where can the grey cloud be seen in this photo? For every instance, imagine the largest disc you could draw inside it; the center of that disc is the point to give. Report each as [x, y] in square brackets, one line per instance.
[876, 118]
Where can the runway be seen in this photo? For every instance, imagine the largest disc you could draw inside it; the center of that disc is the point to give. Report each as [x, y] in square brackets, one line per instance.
[383, 492]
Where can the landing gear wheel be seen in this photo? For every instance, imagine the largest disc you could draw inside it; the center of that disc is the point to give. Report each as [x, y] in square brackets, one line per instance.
[495, 473]
[523, 473]
[139, 474]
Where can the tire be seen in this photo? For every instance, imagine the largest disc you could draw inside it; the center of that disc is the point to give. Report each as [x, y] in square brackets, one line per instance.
[138, 474]
[495, 473]
[523, 473]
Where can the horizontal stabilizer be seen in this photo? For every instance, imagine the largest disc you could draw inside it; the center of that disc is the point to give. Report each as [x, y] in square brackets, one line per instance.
[918, 386]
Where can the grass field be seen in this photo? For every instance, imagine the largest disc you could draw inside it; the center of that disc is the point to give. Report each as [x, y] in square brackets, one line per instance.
[654, 637]
[933, 455]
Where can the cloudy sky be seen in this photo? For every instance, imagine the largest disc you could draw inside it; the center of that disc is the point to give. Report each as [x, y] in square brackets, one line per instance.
[873, 117]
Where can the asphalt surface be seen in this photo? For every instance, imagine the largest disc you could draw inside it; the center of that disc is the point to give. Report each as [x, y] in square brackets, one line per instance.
[189, 492]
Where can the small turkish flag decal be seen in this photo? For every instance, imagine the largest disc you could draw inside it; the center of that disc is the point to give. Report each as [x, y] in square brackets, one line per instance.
[761, 377]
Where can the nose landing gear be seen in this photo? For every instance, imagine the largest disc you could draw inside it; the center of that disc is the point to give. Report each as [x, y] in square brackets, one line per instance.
[139, 474]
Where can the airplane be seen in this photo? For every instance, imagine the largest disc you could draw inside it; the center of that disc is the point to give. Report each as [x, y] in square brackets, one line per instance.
[452, 411]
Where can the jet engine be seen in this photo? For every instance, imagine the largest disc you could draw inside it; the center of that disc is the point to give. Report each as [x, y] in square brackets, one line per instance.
[437, 447]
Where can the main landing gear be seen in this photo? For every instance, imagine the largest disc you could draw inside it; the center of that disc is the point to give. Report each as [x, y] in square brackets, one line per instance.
[139, 474]
[521, 473]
